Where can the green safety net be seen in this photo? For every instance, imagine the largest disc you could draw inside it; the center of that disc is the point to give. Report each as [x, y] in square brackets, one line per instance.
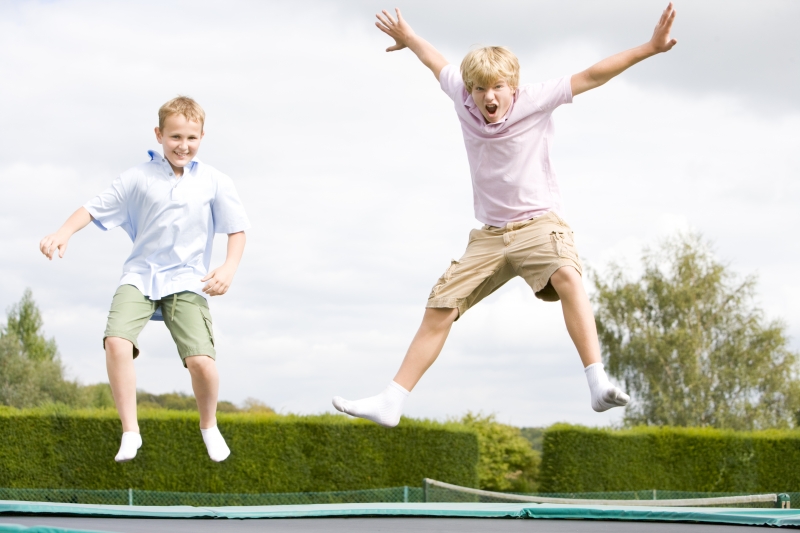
[203, 499]
[385, 495]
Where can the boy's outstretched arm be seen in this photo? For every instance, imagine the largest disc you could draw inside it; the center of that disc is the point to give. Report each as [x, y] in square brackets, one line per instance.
[58, 240]
[404, 37]
[598, 74]
[220, 279]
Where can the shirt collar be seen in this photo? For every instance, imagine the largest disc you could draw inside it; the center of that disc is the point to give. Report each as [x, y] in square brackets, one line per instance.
[158, 157]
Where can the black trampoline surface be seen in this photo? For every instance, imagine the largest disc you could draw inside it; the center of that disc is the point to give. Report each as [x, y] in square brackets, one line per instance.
[378, 524]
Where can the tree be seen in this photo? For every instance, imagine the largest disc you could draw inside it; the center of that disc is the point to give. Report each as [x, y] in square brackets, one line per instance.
[689, 344]
[506, 460]
[24, 322]
[31, 373]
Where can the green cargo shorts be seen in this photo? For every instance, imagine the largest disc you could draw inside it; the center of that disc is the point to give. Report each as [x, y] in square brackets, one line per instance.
[186, 315]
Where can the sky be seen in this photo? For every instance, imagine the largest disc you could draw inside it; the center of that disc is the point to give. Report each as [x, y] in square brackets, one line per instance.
[352, 168]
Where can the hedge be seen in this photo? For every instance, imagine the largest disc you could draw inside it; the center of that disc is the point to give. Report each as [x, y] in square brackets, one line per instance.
[270, 453]
[580, 459]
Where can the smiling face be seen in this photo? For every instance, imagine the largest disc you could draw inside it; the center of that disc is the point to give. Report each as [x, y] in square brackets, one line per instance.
[181, 140]
[493, 100]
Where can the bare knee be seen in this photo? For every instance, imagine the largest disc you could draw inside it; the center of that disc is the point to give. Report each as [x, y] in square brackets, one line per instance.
[117, 346]
[436, 318]
[201, 365]
[566, 279]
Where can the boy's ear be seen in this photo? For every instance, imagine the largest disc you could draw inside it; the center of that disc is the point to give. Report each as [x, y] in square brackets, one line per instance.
[158, 135]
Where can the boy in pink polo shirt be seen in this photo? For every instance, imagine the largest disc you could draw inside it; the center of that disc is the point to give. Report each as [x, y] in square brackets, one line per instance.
[507, 130]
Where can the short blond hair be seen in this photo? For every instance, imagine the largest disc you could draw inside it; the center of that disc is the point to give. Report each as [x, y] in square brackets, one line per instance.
[484, 66]
[181, 105]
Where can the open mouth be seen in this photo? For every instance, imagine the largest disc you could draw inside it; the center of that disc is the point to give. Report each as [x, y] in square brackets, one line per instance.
[491, 108]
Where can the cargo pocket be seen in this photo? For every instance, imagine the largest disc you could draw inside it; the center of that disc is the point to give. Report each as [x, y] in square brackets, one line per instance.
[557, 239]
[444, 279]
[207, 321]
[563, 244]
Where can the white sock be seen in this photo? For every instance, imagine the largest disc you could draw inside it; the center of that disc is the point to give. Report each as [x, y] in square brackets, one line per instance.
[384, 409]
[215, 444]
[604, 394]
[131, 442]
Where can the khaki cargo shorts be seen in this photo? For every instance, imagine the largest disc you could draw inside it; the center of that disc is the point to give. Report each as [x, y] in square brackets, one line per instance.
[186, 315]
[533, 249]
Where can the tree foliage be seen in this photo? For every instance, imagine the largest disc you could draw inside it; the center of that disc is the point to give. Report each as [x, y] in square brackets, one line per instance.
[24, 324]
[691, 346]
[506, 460]
[180, 401]
[31, 373]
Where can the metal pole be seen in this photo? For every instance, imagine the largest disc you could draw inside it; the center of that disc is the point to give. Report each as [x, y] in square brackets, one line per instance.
[130, 496]
[405, 493]
[654, 494]
[425, 490]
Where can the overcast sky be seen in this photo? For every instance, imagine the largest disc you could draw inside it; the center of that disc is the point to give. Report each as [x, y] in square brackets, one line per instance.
[351, 165]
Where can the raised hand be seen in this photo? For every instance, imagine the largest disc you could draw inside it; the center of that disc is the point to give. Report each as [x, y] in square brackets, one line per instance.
[601, 72]
[661, 41]
[404, 37]
[399, 30]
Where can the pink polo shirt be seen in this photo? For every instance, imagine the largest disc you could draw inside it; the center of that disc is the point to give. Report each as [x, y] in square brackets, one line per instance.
[512, 178]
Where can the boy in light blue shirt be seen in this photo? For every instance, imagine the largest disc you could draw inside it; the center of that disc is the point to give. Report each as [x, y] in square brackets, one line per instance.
[171, 207]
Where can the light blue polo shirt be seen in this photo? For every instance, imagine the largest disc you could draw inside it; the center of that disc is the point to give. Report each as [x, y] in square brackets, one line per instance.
[171, 221]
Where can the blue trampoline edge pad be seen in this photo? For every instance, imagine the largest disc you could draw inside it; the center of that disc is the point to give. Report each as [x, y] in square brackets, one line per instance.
[740, 516]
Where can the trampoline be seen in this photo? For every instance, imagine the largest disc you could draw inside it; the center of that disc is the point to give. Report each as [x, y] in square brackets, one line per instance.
[39, 517]
[358, 525]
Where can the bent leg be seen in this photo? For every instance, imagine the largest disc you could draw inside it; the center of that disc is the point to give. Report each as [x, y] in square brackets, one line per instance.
[130, 311]
[579, 319]
[205, 384]
[578, 314]
[480, 271]
[122, 378]
[387, 407]
[426, 346]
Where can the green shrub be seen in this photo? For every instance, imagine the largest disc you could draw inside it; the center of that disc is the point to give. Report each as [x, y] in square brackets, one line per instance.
[506, 460]
[579, 459]
[61, 448]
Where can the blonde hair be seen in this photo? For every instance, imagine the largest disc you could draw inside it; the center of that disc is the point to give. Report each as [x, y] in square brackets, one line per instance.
[484, 66]
[181, 105]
